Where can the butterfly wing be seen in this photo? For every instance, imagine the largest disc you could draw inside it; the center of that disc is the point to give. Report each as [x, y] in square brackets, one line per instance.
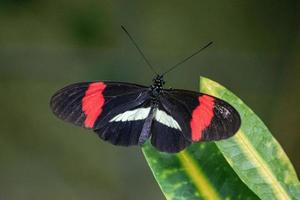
[166, 132]
[201, 117]
[96, 105]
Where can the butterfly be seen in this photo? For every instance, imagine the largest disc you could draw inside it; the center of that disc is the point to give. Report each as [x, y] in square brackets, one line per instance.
[128, 114]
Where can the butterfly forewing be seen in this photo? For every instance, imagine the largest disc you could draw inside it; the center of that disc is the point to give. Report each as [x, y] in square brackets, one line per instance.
[202, 117]
[66, 103]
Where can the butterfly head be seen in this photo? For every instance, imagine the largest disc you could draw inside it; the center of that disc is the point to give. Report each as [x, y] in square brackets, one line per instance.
[158, 81]
[157, 85]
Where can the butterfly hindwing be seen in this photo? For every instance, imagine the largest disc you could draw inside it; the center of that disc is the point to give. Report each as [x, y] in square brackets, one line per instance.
[202, 117]
[125, 128]
[166, 132]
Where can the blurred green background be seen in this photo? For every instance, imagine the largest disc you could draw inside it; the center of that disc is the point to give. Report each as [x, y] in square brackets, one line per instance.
[45, 45]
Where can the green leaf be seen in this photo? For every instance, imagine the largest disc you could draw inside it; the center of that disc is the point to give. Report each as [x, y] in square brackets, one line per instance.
[199, 172]
[254, 153]
[202, 172]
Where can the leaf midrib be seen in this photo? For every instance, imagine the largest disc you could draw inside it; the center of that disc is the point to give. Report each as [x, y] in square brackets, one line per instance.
[264, 170]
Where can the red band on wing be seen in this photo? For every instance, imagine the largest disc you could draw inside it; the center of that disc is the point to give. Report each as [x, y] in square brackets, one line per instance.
[92, 103]
[202, 116]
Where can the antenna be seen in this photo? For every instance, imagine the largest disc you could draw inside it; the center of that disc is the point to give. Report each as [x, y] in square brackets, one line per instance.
[187, 58]
[138, 48]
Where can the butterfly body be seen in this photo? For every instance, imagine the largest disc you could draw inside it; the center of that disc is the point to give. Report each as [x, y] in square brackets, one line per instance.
[130, 114]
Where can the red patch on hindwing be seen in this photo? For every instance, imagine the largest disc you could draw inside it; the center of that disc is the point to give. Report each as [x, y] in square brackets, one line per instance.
[202, 116]
[92, 103]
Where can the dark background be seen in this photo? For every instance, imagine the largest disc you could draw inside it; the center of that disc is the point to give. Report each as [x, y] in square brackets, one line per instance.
[45, 45]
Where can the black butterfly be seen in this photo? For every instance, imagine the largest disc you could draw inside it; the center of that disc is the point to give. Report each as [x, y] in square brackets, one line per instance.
[129, 114]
